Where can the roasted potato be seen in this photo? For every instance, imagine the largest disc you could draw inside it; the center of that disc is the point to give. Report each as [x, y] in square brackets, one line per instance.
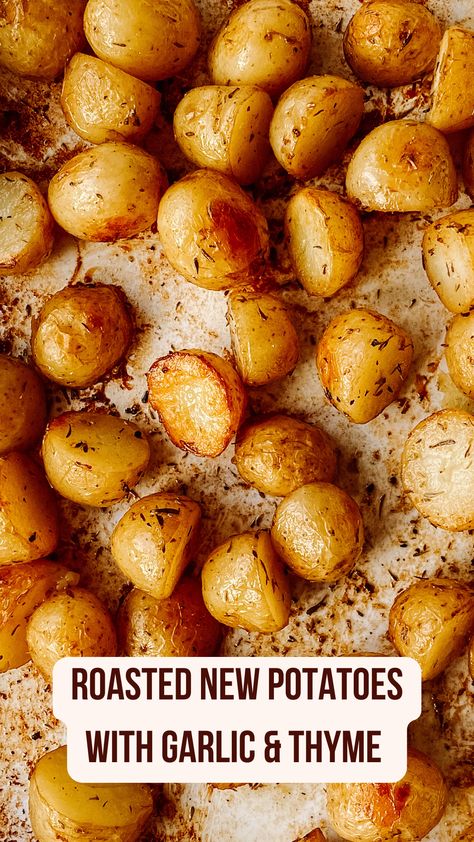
[452, 106]
[431, 621]
[405, 811]
[325, 239]
[101, 102]
[436, 470]
[154, 541]
[402, 166]
[22, 405]
[26, 225]
[468, 164]
[94, 458]
[264, 340]
[211, 231]
[276, 454]
[28, 513]
[471, 658]
[150, 39]
[391, 42]
[227, 786]
[318, 531]
[459, 352]
[62, 809]
[179, 626]
[107, 192]
[466, 835]
[81, 333]
[363, 359]
[200, 399]
[265, 43]
[22, 588]
[448, 258]
[315, 835]
[313, 122]
[244, 584]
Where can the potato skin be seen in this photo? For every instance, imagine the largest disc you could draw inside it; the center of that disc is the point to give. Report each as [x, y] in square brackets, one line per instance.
[315, 835]
[471, 659]
[466, 835]
[23, 405]
[402, 166]
[107, 193]
[211, 230]
[93, 458]
[448, 259]
[437, 472]
[244, 584]
[406, 810]
[313, 122]
[452, 106]
[81, 333]
[391, 42]
[459, 352]
[154, 541]
[277, 454]
[468, 164]
[265, 43]
[26, 225]
[319, 216]
[101, 102]
[363, 359]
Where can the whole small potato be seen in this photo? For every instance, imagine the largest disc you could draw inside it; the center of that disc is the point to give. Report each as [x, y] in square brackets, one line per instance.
[437, 473]
[363, 359]
[325, 239]
[150, 39]
[179, 626]
[22, 405]
[108, 192]
[62, 809]
[94, 458]
[459, 352]
[448, 259]
[265, 43]
[264, 340]
[452, 106]
[101, 102]
[391, 42]
[26, 225]
[276, 454]
[81, 333]
[402, 166]
[318, 531]
[468, 167]
[405, 811]
[28, 513]
[226, 129]
[431, 621]
[200, 399]
[211, 230]
[313, 122]
[154, 541]
[244, 584]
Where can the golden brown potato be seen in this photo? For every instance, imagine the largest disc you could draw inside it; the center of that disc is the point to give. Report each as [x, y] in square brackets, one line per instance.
[402, 166]
[391, 42]
[471, 658]
[211, 230]
[276, 454]
[452, 106]
[431, 621]
[62, 809]
[154, 541]
[94, 458]
[26, 225]
[318, 531]
[101, 102]
[467, 835]
[81, 333]
[315, 835]
[108, 192]
[244, 584]
[22, 588]
[200, 399]
[22, 405]
[363, 359]
[265, 43]
[28, 513]
[313, 122]
[325, 239]
[150, 39]
[448, 258]
[437, 473]
[264, 340]
[179, 626]
[468, 167]
[405, 811]
[459, 352]
[227, 786]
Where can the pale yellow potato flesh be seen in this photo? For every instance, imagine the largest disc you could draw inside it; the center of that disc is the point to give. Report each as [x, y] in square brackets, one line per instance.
[452, 107]
[459, 352]
[26, 225]
[448, 259]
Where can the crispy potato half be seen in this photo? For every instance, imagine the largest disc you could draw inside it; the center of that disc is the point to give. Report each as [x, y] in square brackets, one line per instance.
[22, 405]
[448, 259]
[459, 352]
[452, 106]
[468, 164]
[26, 225]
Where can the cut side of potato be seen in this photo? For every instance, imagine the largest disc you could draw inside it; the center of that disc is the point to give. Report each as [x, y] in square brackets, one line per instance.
[459, 352]
[448, 259]
[452, 107]
[26, 225]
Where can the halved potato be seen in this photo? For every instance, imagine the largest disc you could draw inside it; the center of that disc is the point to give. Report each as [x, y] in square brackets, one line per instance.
[452, 107]
[468, 168]
[26, 225]
[448, 259]
[459, 352]
[22, 405]
[471, 658]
